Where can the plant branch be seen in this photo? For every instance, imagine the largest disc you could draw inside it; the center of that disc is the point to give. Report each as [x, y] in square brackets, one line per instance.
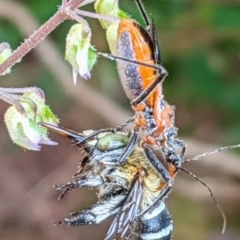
[84, 95]
[39, 35]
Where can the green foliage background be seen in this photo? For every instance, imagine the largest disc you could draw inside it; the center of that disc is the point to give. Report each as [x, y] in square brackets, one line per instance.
[200, 45]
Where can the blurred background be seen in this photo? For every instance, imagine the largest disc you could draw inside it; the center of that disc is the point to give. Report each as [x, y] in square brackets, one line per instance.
[200, 44]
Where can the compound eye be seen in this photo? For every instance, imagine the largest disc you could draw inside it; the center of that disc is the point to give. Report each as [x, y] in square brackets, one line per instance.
[112, 141]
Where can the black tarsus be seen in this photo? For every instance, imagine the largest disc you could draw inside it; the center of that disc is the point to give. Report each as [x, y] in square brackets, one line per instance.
[128, 149]
[183, 151]
[157, 52]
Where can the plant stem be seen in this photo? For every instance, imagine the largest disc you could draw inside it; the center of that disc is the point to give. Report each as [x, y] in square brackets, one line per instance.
[39, 35]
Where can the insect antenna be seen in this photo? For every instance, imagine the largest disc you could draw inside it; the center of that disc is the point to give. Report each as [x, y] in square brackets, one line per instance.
[121, 127]
[212, 152]
[211, 194]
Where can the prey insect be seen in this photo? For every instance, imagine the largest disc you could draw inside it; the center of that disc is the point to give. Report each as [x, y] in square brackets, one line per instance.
[125, 191]
[100, 169]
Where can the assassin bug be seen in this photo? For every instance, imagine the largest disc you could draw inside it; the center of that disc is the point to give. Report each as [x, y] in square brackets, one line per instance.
[126, 191]
[141, 73]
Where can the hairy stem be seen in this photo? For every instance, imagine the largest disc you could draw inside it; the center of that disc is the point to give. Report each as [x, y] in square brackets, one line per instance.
[39, 35]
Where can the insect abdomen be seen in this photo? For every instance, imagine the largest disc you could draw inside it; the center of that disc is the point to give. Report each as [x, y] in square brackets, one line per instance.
[134, 43]
[157, 224]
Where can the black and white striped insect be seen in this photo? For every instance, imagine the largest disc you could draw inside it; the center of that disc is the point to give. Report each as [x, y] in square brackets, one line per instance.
[130, 192]
[127, 192]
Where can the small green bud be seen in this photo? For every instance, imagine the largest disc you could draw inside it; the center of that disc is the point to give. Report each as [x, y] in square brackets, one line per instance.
[111, 34]
[5, 53]
[106, 7]
[79, 52]
[110, 8]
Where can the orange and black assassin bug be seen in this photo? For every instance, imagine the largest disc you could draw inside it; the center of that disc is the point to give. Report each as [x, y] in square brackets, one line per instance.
[141, 74]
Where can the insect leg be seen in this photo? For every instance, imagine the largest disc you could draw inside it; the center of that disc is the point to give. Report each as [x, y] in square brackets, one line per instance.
[150, 28]
[157, 52]
[143, 12]
[85, 139]
[183, 151]
[129, 147]
[165, 190]
[99, 212]
[150, 88]
[86, 180]
[125, 59]
[157, 165]
[79, 139]
[120, 128]
[164, 193]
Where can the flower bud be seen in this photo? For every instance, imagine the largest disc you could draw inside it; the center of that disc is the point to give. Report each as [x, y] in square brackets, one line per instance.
[110, 8]
[5, 53]
[23, 128]
[79, 52]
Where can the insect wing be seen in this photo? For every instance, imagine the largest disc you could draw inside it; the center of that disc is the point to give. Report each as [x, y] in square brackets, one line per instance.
[135, 43]
[127, 213]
